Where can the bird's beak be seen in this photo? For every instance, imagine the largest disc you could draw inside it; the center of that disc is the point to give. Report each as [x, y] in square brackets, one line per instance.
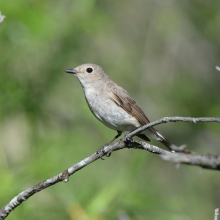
[72, 71]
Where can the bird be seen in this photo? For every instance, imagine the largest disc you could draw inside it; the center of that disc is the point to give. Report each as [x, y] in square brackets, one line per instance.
[112, 105]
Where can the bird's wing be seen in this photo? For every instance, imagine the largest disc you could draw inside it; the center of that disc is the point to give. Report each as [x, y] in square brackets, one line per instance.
[123, 99]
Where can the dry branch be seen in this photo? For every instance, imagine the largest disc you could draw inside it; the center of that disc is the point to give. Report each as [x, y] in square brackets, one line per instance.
[206, 161]
[216, 215]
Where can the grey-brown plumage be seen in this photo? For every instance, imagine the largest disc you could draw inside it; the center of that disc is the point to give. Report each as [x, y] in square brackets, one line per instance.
[111, 104]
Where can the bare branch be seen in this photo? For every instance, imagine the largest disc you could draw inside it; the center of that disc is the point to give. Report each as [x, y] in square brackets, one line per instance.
[216, 214]
[205, 161]
[64, 176]
[172, 119]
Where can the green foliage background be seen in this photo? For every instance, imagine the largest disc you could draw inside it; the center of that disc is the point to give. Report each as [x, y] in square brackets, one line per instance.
[163, 52]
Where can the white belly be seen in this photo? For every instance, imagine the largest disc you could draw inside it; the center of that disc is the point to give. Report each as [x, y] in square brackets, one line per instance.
[109, 113]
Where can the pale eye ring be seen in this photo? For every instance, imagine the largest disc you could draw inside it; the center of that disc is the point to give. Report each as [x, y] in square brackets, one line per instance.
[89, 70]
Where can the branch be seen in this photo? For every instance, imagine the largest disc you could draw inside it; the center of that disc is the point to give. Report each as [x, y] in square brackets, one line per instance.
[205, 161]
[64, 176]
[216, 214]
[172, 119]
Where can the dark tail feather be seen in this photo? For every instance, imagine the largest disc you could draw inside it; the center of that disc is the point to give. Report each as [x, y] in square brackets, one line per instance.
[143, 136]
[156, 135]
[164, 141]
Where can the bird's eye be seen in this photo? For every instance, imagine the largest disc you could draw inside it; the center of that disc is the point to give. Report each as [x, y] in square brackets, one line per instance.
[89, 70]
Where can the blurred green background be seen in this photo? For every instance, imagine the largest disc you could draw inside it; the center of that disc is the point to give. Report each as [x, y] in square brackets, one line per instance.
[163, 52]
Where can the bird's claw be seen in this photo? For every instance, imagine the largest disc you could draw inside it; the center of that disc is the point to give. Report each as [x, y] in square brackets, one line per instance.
[101, 152]
[129, 142]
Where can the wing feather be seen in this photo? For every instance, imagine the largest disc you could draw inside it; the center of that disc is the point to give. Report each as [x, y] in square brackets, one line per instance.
[123, 99]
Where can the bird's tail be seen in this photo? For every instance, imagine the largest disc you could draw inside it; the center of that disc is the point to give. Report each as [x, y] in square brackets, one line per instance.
[152, 132]
[157, 136]
[163, 140]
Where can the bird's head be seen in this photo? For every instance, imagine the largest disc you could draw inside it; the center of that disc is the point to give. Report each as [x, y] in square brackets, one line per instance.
[88, 73]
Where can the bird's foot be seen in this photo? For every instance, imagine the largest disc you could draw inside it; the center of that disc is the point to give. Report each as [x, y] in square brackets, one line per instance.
[101, 152]
[129, 141]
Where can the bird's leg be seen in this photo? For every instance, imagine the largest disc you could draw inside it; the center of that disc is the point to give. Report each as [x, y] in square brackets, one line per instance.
[129, 141]
[118, 135]
[100, 151]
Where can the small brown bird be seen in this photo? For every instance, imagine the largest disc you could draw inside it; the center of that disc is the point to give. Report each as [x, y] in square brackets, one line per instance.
[111, 104]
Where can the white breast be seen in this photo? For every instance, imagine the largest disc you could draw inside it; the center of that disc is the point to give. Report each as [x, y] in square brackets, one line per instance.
[108, 112]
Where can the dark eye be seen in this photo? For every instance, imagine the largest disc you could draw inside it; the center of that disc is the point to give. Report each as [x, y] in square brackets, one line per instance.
[89, 70]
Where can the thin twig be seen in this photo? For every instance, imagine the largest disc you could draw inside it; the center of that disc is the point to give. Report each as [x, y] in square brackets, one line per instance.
[216, 214]
[172, 119]
[207, 161]
[64, 176]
